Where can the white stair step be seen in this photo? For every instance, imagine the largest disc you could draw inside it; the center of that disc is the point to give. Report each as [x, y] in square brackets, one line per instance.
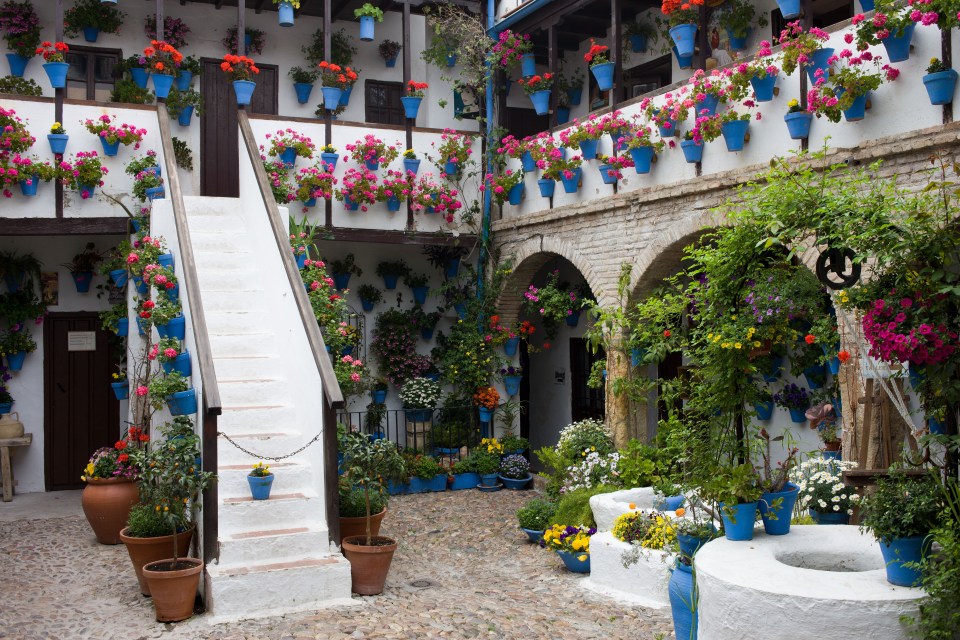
[242, 344]
[251, 419]
[230, 279]
[255, 390]
[238, 321]
[273, 545]
[248, 300]
[240, 368]
[222, 260]
[281, 511]
[289, 476]
[235, 593]
[271, 444]
[204, 244]
[211, 222]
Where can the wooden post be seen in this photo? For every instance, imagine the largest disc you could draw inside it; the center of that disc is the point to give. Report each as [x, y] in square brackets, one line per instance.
[241, 28]
[616, 48]
[863, 442]
[552, 63]
[327, 114]
[58, 113]
[946, 54]
[406, 78]
[161, 20]
[806, 6]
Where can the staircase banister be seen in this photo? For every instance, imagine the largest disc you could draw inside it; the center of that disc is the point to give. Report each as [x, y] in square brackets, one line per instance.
[204, 355]
[331, 388]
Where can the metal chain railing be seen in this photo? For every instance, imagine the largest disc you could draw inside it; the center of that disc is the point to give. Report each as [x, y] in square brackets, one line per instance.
[271, 458]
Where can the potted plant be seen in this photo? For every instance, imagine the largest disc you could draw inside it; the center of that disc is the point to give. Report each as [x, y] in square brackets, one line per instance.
[414, 96]
[343, 269]
[303, 80]
[798, 120]
[891, 25]
[695, 530]
[534, 517]
[367, 463]
[901, 514]
[175, 30]
[389, 50]
[611, 167]
[940, 82]
[287, 145]
[253, 41]
[372, 152]
[779, 494]
[426, 474]
[802, 49]
[600, 65]
[55, 64]
[183, 105]
[391, 272]
[511, 376]
[369, 296]
[572, 544]
[260, 480]
[31, 173]
[58, 139]
[795, 399]
[538, 88]
[92, 17]
[822, 491]
[486, 399]
[285, 10]
[378, 390]
[418, 285]
[846, 91]
[163, 61]
[366, 15]
[823, 418]
[113, 136]
[682, 17]
[241, 70]
[83, 266]
[640, 34]
[20, 27]
[419, 397]
[109, 486]
[736, 491]
[487, 463]
[515, 471]
[737, 20]
[505, 187]
[173, 390]
[454, 151]
[15, 345]
[353, 509]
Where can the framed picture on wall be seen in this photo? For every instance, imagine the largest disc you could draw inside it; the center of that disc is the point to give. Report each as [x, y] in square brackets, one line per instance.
[640, 88]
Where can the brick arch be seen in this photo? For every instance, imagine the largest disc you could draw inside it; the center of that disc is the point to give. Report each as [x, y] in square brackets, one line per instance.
[528, 257]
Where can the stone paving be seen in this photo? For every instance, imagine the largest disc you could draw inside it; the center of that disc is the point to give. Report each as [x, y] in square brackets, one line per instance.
[463, 570]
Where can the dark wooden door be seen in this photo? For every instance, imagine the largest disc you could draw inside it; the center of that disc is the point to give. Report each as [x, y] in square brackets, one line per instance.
[219, 136]
[586, 402]
[81, 414]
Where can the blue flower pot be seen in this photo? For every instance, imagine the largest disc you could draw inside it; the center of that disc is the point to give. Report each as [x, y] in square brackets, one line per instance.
[684, 62]
[461, 309]
[162, 84]
[345, 96]
[588, 149]
[485, 414]
[547, 187]
[898, 47]
[900, 551]
[110, 149]
[642, 158]
[174, 293]
[411, 106]
[708, 106]
[833, 364]
[451, 169]
[783, 513]
[15, 360]
[528, 65]
[309, 202]
[379, 395]
[120, 390]
[515, 195]
[182, 403]
[541, 101]
[670, 503]
[285, 14]
[57, 73]
[510, 346]
[735, 134]
[396, 489]
[301, 260]
[684, 36]
[670, 131]
[534, 535]
[739, 524]
[411, 165]
[419, 415]
[243, 89]
[738, 43]
[426, 334]
[87, 191]
[341, 280]
[391, 63]
[637, 356]
[166, 260]
[818, 61]
[303, 90]
[18, 64]
[573, 561]
[798, 415]
[517, 484]
[142, 287]
[452, 268]
[692, 151]
[764, 410]
[573, 319]
[438, 482]
[176, 328]
[764, 87]
[142, 327]
[468, 480]
[512, 384]
[330, 159]
[367, 305]
[420, 294]
[184, 79]
[815, 376]
[390, 281]
[186, 115]
[798, 124]
[433, 377]
[528, 163]
[575, 95]
[29, 187]
[90, 34]
[260, 486]
[288, 157]
[941, 86]
[790, 9]
[571, 184]
[563, 115]
[689, 545]
[366, 28]
[683, 601]
[935, 426]
[58, 142]
[619, 138]
[393, 203]
[181, 364]
[122, 327]
[857, 110]
[451, 60]
[154, 193]
[866, 5]
[638, 42]
[603, 73]
[82, 280]
[331, 97]
[607, 174]
[830, 517]
[140, 77]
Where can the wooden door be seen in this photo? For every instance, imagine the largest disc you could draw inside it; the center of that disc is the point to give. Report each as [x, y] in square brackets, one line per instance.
[81, 413]
[219, 135]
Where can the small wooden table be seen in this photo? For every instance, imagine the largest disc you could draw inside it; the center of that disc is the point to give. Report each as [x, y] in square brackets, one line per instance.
[6, 469]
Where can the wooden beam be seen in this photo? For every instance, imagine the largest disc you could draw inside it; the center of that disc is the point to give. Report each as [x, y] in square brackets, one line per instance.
[218, 4]
[259, 6]
[552, 65]
[327, 114]
[385, 236]
[107, 226]
[161, 22]
[616, 48]
[336, 10]
[408, 123]
[59, 95]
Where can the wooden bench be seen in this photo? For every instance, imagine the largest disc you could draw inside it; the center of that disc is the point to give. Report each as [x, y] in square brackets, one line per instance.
[6, 468]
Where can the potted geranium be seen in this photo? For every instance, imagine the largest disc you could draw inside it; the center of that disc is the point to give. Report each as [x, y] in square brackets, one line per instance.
[113, 136]
[846, 91]
[173, 390]
[84, 172]
[901, 514]
[414, 96]
[372, 152]
[454, 151]
[507, 186]
[396, 186]
[329, 156]
[55, 62]
[110, 491]
[572, 544]
[175, 30]
[555, 302]
[611, 167]
[891, 25]
[538, 88]
[31, 173]
[312, 183]
[600, 65]
[389, 50]
[643, 149]
[486, 399]
[92, 17]
[253, 41]
[288, 144]
[82, 267]
[163, 61]
[260, 480]
[802, 49]
[515, 471]
[534, 517]
[512, 48]
[359, 189]
[683, 18]
[419, 397]
[822, 491]
[366, 15]
[557, 168]
[241, 70]
[20, 27]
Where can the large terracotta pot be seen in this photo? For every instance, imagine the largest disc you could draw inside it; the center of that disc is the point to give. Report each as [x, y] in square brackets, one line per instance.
[174, 589]
[369, 565]
[106, 504]
[358, 526]
[146, 550]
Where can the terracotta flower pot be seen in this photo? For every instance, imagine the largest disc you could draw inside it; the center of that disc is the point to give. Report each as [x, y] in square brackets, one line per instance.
[174, 588]
[147, 550]
[358, 526]
[106, 504]
[369, 565]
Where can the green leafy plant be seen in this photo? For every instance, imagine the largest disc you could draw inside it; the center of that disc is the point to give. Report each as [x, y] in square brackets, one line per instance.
[177, 101]
[347, 265]
[353, 501]
[182, 154]
[162, 387]
[19, 86]
[305, 76]
[92, 13]
[575, 506]
[902, 507]
[367, 464]
[536, 514]
[370, 293]
[739, 17]
[370, 11]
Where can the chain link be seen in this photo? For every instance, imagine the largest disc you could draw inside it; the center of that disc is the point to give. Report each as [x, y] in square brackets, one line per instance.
[273, 458]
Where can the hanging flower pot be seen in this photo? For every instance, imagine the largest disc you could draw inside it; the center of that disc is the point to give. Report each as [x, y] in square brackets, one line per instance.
[119, 277]
[411, 165]
[573, 318]
[708, 106]
[120, 390]
[669, 130]
[510, 346]
[426, 334]
[798, 124]
[515, 195]
[738, 43]
[285, 14]
[331, 98]
[57, 73]
[341, 280]
[819, 62]
[898, 47]
[764, 87]
[451, 168]
[588, 148]
[110, 149]
[512, 384]
[575, 95]
[528, 65]
[303, 90]
[182, 403]
[330, 159]
[345, 96]
[82, 280]
[366, 28]
[15, 360]
[18, 64]
[603, 73]
[738, 520]
[941, 86]
[563, 115]
[176, 328]
[154, 193]
[857, 110]
[789, 8]
[379, 396]
[420, 294]
[184, 80]
[393, 203]
[541, 101]
[637, 356]
[366, 305]
[642, 158]
[243, 89]
[764, 410]
[608, 174]
[735, 134]
[461, 309]
[161, 85]
[528, 163]
[87, 191]
[684, 36]
[58, 142]
[28, 187]
[798, 416]
[638, 42]
[571, 184]
[390, 281]
[684, 62]
[186, 115]
[289, 157]
[182, 364]
[692, 151]
[451, 60]
[140, 77]
[453, 268]
[90, 34]
[485, 414]
[411, 106]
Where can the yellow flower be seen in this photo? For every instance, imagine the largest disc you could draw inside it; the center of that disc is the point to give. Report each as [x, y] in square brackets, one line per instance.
[738, 346]
[756, 343]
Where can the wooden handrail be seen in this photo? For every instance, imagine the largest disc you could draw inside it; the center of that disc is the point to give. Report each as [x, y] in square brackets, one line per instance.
[281, 233]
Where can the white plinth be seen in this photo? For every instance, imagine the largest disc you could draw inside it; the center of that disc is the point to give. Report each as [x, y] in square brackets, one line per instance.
[607, 507]
[815, 582]
[643, 583]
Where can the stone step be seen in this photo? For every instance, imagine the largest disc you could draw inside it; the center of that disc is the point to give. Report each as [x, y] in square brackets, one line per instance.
[238, 320]
[205, 244]
[274, 589]
[229, 279]
[292, 476]
[261, 444]
[242, 344]
[282, 511]
[252, 419]
[245, 300]
[218, 260]
[255, 390]
[272, 545]
[245, 367]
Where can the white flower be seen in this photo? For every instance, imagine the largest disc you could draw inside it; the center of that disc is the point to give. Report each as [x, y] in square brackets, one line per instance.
[823, 504]
[835, 499]
[849, 512]
[836, 507]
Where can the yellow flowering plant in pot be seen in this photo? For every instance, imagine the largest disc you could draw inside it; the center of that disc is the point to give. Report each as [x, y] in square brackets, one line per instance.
[572, 544]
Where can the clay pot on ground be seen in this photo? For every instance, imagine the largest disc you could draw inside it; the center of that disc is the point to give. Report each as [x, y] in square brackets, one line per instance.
[148, 550]
[174, 587]
[369, 565]
[358, 526]
[106, 504]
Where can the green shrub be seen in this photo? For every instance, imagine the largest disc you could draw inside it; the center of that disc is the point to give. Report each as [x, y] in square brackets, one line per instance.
[583, 435]
[145, 521]
[424, 467]
[555, 468]
[19, 86]
[352, 503]
[637, 465]
[536, 514]
[574, 510]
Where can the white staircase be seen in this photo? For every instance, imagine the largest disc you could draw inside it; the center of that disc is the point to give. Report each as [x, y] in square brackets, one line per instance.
[275, 555]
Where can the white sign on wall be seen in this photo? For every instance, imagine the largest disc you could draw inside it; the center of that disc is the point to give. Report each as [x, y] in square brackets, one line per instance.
[81, 341]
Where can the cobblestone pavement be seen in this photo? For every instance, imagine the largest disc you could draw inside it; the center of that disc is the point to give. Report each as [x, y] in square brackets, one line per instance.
[485, 581]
